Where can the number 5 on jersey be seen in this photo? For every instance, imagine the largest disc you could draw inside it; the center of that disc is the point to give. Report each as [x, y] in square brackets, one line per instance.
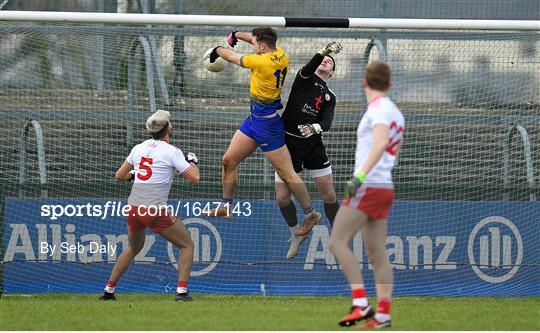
[145, 164]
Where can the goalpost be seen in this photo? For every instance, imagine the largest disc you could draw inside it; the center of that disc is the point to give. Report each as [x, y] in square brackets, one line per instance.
[76, 88]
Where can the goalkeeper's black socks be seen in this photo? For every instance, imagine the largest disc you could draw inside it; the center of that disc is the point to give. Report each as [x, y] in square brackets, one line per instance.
[289, 214]
[330, 210]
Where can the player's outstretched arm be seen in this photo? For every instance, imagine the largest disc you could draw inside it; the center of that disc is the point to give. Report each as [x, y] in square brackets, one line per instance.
[309, 69]
[226, 54]
[124, 174]
[234, 36]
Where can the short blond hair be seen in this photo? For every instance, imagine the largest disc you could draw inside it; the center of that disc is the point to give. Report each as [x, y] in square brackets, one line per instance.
[158, 123]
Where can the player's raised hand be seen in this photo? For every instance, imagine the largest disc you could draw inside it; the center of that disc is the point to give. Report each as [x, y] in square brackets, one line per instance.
[308, 130]
[214, 55]
[191, 157]
[354, 184]
[332, 47]
[231, 39]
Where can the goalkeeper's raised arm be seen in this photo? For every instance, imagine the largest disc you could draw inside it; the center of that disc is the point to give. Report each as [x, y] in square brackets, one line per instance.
[309, 69]
[310, 109]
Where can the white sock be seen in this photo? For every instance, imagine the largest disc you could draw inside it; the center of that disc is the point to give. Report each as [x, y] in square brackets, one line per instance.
[381, 317]
[361, 302]
[109, 289]
[292, 229]
[181, 290]
[309, 211]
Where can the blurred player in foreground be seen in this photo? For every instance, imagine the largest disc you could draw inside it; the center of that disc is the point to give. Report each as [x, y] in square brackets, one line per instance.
[263, 127]
[155, 162]
[368, 198]
[309, 112]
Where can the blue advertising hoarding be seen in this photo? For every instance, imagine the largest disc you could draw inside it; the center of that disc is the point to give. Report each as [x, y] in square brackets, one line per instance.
[436, 248]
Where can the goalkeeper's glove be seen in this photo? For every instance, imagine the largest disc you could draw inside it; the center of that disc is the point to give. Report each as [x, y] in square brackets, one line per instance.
[354, 184]
[214, 55]
[231, 39]
[192, 158]
[333, 47]
[308, 130]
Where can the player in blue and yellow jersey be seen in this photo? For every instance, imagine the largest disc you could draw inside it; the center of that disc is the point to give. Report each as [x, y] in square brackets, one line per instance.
[263, 127]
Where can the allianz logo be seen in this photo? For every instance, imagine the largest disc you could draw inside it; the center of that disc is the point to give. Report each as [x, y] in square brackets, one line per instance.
[494, 250]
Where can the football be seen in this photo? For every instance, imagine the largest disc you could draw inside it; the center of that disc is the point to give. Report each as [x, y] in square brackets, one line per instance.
[216, 66]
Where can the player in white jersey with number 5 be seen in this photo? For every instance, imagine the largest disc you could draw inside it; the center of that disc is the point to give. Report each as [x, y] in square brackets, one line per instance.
[151, 166]
[368, 198]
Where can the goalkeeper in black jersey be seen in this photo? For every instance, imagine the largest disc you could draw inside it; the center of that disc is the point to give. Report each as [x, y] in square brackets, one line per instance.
[309, 112]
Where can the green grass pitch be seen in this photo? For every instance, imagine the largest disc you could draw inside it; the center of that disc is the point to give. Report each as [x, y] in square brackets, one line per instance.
[227, 312]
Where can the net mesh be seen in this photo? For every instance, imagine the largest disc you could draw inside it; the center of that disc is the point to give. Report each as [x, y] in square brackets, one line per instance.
[91, 88]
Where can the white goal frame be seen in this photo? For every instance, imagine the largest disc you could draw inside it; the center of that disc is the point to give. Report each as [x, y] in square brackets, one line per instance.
[275, 21]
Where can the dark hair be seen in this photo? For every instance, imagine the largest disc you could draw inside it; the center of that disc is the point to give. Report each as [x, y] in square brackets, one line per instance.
[265, 35]
[378, 74]
[161, 134]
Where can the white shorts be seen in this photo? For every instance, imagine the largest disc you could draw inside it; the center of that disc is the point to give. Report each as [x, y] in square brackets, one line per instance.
[314, 173]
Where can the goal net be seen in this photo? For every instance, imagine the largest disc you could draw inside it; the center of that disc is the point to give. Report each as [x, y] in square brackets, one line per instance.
[74, 99]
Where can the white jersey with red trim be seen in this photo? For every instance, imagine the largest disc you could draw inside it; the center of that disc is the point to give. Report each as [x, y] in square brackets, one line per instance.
[155, 163]
[380, 111]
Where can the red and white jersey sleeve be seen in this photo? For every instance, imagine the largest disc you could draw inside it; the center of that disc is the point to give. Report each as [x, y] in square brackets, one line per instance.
[380, 111]
[155, 163]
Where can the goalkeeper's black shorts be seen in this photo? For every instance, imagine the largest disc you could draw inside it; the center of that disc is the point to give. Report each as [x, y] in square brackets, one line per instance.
[307, 154]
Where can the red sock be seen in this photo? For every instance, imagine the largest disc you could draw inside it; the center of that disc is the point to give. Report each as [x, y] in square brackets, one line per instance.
[111, 284]
[359, 298]
[383, 305]
[359, 293]
[182, 284]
